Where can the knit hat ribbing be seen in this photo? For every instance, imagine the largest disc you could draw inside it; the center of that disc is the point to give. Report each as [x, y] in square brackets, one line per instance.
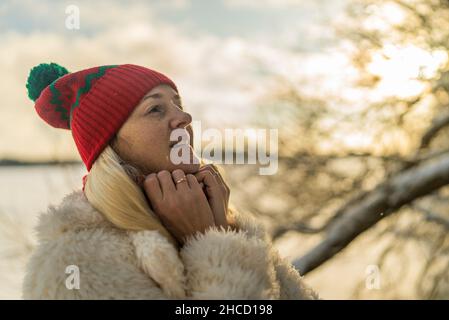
[92, 103]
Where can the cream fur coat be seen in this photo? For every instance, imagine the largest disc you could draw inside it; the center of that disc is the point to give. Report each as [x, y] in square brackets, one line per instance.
[118, 264]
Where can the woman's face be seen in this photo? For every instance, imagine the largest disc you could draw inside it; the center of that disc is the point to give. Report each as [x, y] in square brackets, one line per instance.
[144, 139]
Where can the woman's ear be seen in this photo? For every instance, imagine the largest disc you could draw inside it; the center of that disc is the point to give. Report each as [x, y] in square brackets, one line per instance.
[132, 171]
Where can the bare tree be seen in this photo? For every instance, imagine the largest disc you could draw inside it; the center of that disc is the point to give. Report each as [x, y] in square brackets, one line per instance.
[340, 191]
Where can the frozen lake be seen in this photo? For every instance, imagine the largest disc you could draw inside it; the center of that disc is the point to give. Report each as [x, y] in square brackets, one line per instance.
[25, 191]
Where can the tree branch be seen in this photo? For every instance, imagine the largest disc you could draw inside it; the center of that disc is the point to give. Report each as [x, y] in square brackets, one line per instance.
[438, 123]
[432, 216]
[400, 189]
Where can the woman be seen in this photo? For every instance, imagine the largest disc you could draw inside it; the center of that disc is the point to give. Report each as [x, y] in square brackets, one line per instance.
[143, 227]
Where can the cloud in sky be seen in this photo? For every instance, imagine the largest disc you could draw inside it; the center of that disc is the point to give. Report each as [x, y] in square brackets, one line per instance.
[217, 73]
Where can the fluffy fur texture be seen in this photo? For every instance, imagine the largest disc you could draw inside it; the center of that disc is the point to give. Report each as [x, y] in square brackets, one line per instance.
[119, 264]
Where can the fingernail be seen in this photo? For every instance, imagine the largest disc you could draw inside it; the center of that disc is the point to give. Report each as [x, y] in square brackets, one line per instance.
[151, 175]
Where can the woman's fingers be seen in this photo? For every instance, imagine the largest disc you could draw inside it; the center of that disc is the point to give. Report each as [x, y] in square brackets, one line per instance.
[183, 213]
[215, 196]
[166, 182]
[193, 183]
[224, 187]
[208, 179]
[180, 179]
[153, 188]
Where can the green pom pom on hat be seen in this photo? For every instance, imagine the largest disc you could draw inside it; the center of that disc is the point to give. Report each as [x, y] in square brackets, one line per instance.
[41, 76]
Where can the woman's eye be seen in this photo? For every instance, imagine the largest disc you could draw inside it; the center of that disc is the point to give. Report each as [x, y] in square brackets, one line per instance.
[155, 109]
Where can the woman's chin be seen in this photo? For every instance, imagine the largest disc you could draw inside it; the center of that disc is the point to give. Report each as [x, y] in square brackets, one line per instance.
[188, 168]
[192, 167]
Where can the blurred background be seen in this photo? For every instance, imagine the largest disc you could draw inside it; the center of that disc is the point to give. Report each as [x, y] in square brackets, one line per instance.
[358, 89]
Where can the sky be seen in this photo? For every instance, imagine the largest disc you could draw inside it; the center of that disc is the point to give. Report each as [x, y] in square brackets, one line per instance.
[224, 55]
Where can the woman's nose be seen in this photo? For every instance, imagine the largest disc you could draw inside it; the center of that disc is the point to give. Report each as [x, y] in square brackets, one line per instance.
[181, 120]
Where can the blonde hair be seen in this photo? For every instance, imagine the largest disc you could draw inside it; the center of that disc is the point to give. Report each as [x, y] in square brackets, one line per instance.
[112, 187]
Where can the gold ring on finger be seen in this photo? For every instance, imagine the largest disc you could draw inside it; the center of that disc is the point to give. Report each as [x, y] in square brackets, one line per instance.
[181, 180]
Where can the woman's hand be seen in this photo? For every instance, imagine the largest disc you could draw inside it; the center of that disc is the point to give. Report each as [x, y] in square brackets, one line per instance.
[223, 186]
[217, 193]
[179, 202]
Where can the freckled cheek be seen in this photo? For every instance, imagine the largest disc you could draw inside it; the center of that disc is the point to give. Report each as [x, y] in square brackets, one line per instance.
[154, 142]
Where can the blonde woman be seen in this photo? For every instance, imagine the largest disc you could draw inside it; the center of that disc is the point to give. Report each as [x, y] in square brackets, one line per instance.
[143, 227]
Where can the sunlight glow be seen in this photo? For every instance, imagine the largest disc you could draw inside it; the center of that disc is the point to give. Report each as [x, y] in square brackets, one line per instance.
[401, 68]
[382, 17]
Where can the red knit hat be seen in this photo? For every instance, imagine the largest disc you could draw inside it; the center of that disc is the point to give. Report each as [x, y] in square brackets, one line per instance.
[93, 103]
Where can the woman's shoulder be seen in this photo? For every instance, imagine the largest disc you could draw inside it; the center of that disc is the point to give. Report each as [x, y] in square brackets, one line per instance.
[74, 231]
